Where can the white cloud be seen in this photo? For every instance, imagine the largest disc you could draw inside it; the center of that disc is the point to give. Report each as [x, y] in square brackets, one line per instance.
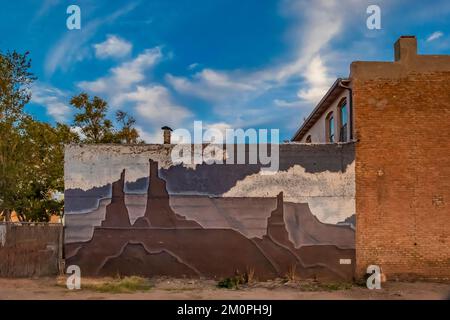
[220, 126]
[133, 71]
[318, 81]
[53, 100]
[154, 137]
[212, 85]
[45, 7]
[113, 46]
[192, 66]
[216, 132]
[59, 111]
[237, 96]
[222, 80]
[128, 87]
[72, 46]
[288, 104]
[154, 104]
[316, 24]
[434, 36]
[185, 134]
[125, 75]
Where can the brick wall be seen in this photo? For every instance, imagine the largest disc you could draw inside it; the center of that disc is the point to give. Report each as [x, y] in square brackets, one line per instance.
[402, 172]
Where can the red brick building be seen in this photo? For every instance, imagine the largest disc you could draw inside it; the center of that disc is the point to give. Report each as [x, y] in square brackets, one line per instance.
[398, 115]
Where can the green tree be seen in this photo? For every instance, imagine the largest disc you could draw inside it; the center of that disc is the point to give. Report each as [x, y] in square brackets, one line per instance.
[127, 134]
[92, 119]
[31, 152]
[15, 82]
[10, 169]
[42, 176]
[94, 125]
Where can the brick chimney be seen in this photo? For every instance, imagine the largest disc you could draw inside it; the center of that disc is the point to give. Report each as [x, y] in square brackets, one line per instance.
[405, 48]
[167, 133]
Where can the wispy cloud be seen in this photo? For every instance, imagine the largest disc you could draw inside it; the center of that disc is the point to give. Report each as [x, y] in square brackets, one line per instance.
[72, 47]
[128, 86]
[318, 81]
[314, 25]
[434, 36]
[154, 137]
[215, 131]
[211, 85]
[114, 47]
[46, 6]
[193, 66]
[125, 75]
[288, 104]
[53, 99]
[154, 104]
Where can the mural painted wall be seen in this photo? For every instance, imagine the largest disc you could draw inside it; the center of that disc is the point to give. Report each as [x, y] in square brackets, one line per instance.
[130, 210]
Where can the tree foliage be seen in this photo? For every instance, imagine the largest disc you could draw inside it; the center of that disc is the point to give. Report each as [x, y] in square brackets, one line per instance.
[42, 168]
[15, 82]
[32, 152]
[94, 125]
[128, 134]
[92, 119]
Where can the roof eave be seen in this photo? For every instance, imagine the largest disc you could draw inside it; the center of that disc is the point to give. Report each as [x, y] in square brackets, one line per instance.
[308, 122]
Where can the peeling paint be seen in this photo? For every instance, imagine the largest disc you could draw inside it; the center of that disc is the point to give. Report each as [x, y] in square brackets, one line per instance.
[131, 203]
[330, 195]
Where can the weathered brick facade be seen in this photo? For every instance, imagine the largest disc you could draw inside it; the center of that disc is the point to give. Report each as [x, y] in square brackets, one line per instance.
[402, 124]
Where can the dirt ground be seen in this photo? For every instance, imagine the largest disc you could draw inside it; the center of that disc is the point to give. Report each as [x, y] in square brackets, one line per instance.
[172, 289]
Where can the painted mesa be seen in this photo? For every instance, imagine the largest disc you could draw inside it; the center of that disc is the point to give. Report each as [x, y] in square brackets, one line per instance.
[130, 211]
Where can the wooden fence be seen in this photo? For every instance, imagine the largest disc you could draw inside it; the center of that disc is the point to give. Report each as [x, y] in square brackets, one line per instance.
[30, 249]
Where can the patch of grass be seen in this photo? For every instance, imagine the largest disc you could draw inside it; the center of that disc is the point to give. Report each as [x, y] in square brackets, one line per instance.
[235, 281]
[120, 285]
[230, 283]
[335, 286]
[325, 286]
[250, 275]
[291, 274]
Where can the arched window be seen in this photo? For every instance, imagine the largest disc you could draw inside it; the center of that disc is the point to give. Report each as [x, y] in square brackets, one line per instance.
[343, 121]
[330, 127]
[308, 139]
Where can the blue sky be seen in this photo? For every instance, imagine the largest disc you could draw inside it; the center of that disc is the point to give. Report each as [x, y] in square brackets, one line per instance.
[231, 64]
